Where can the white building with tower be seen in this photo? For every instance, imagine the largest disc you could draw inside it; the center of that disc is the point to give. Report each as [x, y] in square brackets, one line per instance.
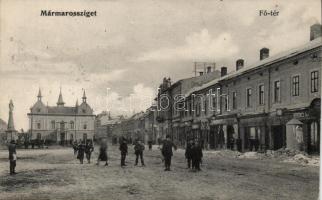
[60, 123]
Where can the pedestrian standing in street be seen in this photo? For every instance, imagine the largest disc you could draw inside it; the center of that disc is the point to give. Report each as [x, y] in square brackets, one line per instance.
[123, 149]
[150, 145]
[89, 148]
[75, 146]
[188, 153]
[81, 152]
[196, 156]
[138, 150]
[167, 152]
[12, 157]
[102, 152]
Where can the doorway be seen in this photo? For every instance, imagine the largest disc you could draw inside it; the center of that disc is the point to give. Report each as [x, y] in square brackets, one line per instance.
[279, 137]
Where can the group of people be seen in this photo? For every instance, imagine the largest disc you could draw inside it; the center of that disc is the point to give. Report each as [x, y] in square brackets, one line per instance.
[193, 153]
[83, 148]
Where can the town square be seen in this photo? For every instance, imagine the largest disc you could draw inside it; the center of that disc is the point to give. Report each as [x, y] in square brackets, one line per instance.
[160, 100]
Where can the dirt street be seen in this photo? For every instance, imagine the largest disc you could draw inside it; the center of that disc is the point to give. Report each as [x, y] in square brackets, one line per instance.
[57, 174]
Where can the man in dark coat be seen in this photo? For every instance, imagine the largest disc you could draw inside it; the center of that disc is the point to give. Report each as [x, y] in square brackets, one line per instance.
[196, 153]
[167, 152]
[89, 148]
[81, 152]
[102, 152]
[138, 150]
[75, 146]
[188, 153]
[12, 156]
[123, 149]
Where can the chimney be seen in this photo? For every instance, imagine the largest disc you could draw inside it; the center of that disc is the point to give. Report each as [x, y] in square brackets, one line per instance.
[239, 64]
[223, 71]
[208, 69]
[263, 53]
[200, 73]
[315, 31]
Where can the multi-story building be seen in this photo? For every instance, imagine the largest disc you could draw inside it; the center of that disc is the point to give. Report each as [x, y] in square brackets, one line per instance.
[61, 123]
[171, 104]
[271, 104]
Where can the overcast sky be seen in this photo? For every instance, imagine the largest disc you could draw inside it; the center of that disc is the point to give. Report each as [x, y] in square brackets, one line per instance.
[123, 53]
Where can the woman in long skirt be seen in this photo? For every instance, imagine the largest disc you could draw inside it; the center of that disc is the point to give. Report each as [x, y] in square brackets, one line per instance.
[103, 152]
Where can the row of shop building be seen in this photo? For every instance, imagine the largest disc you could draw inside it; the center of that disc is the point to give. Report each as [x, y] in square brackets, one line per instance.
[271, 104]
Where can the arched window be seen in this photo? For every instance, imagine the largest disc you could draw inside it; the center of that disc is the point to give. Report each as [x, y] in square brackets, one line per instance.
[72, 125]
[53, 124]
[38, 125]
[84, 137]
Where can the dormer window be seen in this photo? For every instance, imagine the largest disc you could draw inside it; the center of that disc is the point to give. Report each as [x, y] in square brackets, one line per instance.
[84, 111]
[38, 110]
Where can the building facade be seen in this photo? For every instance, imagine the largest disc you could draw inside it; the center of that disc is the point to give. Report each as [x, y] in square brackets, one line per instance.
[60, 123]
[271, 104]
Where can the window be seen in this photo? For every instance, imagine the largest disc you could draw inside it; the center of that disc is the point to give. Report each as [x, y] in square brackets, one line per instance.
[85, 126]
[296, 85]
[277, 91]
[248, 97]
[71, 125]
[214, 102]
[226, 102]
[38, 110]
[206, 105]
[53, 125]
[234, 100]
[198, 108]
[261, 94]
[314, 81]
[38, 125]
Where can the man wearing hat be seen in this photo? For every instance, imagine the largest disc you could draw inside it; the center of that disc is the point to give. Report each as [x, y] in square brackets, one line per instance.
[12, 156]
[123, 149]
[167, 152]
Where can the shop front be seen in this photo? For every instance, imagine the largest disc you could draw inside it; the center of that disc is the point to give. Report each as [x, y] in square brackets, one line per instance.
[253, 132]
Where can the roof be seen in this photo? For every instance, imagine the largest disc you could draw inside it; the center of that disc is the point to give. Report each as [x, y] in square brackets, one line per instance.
[276, 58]
[61, 110]
[262, 63]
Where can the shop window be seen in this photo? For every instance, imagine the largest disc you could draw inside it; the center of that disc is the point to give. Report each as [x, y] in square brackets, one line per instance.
[314, 81]
[314, 134]
[296, 85]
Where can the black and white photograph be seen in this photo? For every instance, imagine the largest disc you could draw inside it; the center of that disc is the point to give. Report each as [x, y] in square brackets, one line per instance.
[160, 99]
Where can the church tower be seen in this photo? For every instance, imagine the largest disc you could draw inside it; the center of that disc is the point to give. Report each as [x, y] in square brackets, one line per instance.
[60, 102]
